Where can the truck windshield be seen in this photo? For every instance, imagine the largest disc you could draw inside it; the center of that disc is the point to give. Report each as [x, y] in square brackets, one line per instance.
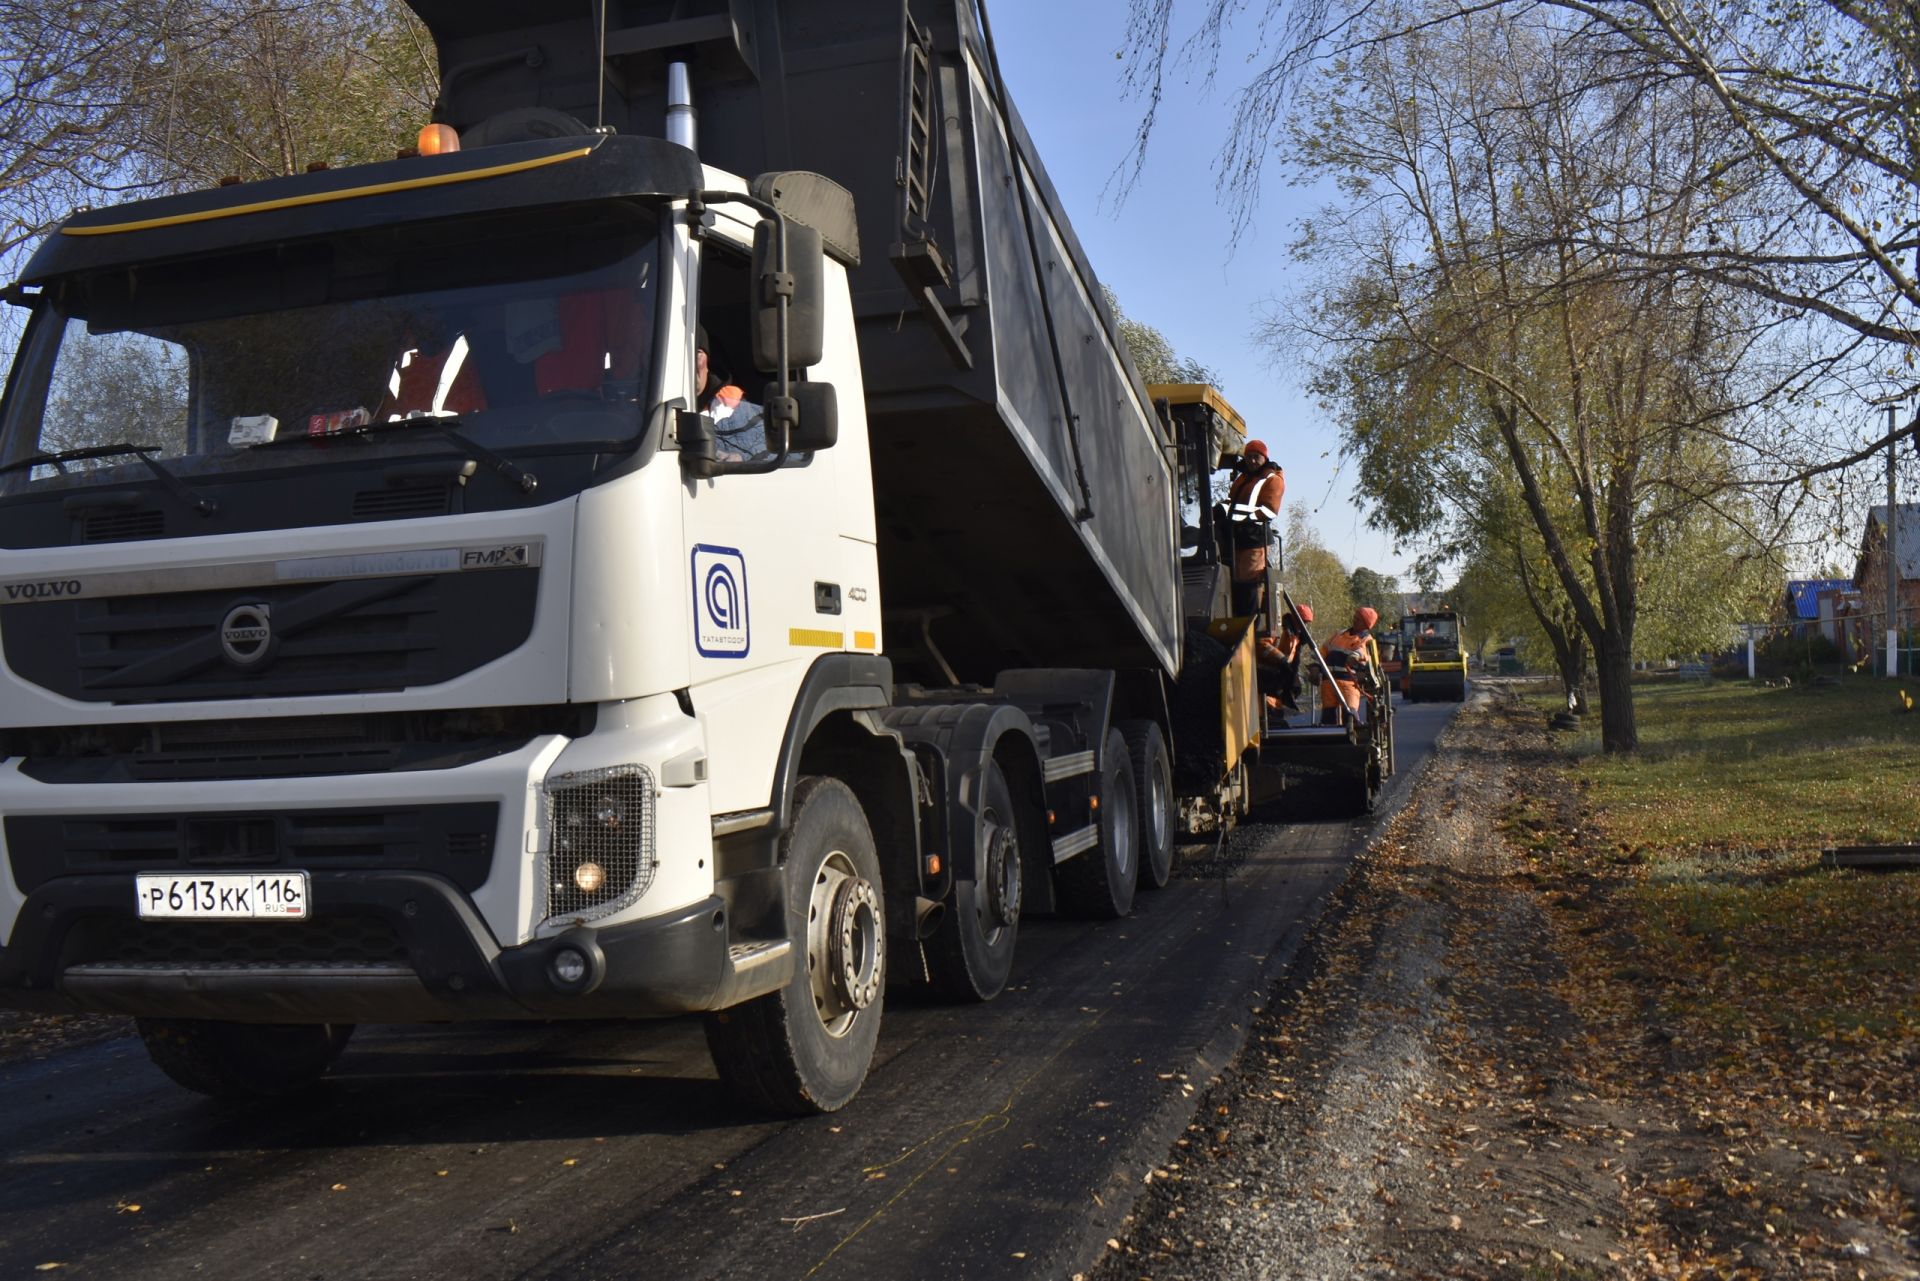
[534, 341]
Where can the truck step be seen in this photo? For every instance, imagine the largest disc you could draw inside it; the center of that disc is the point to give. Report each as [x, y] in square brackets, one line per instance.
[1076, 842]
[1069, 766]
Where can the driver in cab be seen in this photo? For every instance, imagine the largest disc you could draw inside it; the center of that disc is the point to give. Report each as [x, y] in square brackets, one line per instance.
[739, 425]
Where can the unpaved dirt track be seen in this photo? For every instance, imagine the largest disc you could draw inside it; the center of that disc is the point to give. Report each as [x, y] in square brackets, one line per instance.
[1005, 1140]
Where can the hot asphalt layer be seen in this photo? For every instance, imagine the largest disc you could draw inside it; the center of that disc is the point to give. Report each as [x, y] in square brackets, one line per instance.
[1004, 1140]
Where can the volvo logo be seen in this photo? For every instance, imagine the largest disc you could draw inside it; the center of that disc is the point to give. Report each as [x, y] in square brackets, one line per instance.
[246, 634]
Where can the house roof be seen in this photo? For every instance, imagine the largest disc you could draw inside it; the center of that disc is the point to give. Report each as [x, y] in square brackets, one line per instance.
[1805, 593]
[1906, 539]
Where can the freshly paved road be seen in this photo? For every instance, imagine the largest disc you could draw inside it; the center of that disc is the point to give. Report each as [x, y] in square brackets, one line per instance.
[1004, 1140]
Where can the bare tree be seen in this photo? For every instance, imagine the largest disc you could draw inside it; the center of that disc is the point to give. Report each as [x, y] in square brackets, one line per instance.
[103, 100]
[1475, 338]
[297, 82]
[72, 77]
[106, 100]
[1817, 100]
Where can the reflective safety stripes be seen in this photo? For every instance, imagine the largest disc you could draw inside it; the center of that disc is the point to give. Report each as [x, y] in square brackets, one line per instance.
[815, 638]
[450, 370]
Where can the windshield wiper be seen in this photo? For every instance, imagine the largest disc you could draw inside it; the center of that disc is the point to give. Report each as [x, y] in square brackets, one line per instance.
[447, 425]
[172, 483]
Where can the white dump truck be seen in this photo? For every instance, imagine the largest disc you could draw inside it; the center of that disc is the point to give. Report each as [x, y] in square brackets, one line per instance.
[685, 538]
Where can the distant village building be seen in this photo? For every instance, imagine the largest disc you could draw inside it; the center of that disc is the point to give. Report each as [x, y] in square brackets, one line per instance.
[1870, 571]
[1812, 606]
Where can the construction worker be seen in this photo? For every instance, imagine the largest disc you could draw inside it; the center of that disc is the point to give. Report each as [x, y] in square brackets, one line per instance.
[1253, 504]
[1347, 658]
[433, 376]
[586, 343]
[1277, 663]
[739, 428]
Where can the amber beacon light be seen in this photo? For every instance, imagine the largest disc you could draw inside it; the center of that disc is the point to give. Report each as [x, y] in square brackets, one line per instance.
[438, 140]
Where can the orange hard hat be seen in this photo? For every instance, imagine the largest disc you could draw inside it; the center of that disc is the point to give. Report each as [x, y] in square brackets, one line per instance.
[1364, 618]
[1254, 447]
[1305, 612]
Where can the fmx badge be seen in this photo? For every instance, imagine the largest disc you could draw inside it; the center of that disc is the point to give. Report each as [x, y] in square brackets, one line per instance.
[719, 602]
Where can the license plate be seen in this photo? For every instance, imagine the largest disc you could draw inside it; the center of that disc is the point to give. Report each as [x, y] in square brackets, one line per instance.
[223, 896]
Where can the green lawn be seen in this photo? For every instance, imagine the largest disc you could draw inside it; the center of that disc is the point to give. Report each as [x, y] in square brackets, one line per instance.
[1724, 813]
[1737, 769]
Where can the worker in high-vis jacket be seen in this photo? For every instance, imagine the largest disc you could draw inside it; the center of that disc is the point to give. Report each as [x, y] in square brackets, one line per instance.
[1277, 663]
[1253, 504]
[1348, 661]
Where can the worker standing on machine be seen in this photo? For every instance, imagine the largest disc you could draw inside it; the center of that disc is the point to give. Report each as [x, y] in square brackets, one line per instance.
[1253, 504]
[1277, 663]
[1347, 660]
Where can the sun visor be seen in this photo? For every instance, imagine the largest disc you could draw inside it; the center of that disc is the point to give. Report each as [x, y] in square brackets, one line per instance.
[817, 202]
[527, 175]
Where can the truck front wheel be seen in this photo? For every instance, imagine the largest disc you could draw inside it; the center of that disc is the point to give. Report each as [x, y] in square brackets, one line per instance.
[242, 1060]
[806, 1048]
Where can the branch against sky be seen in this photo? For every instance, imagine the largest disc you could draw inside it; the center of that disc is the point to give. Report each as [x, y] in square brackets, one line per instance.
[106, 100]
[1818, 99]
[109, 99]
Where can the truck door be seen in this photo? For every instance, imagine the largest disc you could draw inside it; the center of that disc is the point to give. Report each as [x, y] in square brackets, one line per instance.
[767, 563]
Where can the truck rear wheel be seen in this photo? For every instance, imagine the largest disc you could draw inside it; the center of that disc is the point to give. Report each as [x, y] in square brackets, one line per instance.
[971, 954]
[1099, 883]
[1153, 780]
[242, 1060]
[806, 1048]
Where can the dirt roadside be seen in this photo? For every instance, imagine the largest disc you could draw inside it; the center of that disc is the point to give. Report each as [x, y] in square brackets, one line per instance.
[34, 1036]
[1421, 1098]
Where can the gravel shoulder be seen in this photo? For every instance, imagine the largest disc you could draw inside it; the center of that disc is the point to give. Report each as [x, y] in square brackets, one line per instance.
[1431, 1091]
[36, 1036]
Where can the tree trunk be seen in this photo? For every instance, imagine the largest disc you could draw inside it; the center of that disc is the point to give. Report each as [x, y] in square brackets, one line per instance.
[1570, 656]
[1615, 664]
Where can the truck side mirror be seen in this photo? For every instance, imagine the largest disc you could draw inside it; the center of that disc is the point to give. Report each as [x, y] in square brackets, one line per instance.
[806, 309]
[818, 407]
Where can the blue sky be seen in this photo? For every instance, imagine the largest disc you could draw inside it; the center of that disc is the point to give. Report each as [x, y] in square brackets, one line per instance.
[1164, 252]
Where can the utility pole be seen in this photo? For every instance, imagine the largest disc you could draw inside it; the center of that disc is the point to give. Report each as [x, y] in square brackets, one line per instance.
[1893, 548]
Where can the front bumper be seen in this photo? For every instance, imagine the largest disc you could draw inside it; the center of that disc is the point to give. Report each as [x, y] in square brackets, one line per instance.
[378, 947]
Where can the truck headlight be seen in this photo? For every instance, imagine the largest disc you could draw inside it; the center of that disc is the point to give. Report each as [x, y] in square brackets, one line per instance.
[600, 853]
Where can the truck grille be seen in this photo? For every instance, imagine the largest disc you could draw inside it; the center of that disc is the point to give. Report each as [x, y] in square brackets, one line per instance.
[122, 526]
[283, 746]
[352, 636]
[455, 841]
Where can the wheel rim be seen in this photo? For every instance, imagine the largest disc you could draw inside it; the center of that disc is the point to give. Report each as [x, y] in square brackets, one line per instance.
[844, 951]
[998, 907]
[1122, 802]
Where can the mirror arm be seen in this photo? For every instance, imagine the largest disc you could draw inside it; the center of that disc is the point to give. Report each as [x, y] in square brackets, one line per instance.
[781, 412]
